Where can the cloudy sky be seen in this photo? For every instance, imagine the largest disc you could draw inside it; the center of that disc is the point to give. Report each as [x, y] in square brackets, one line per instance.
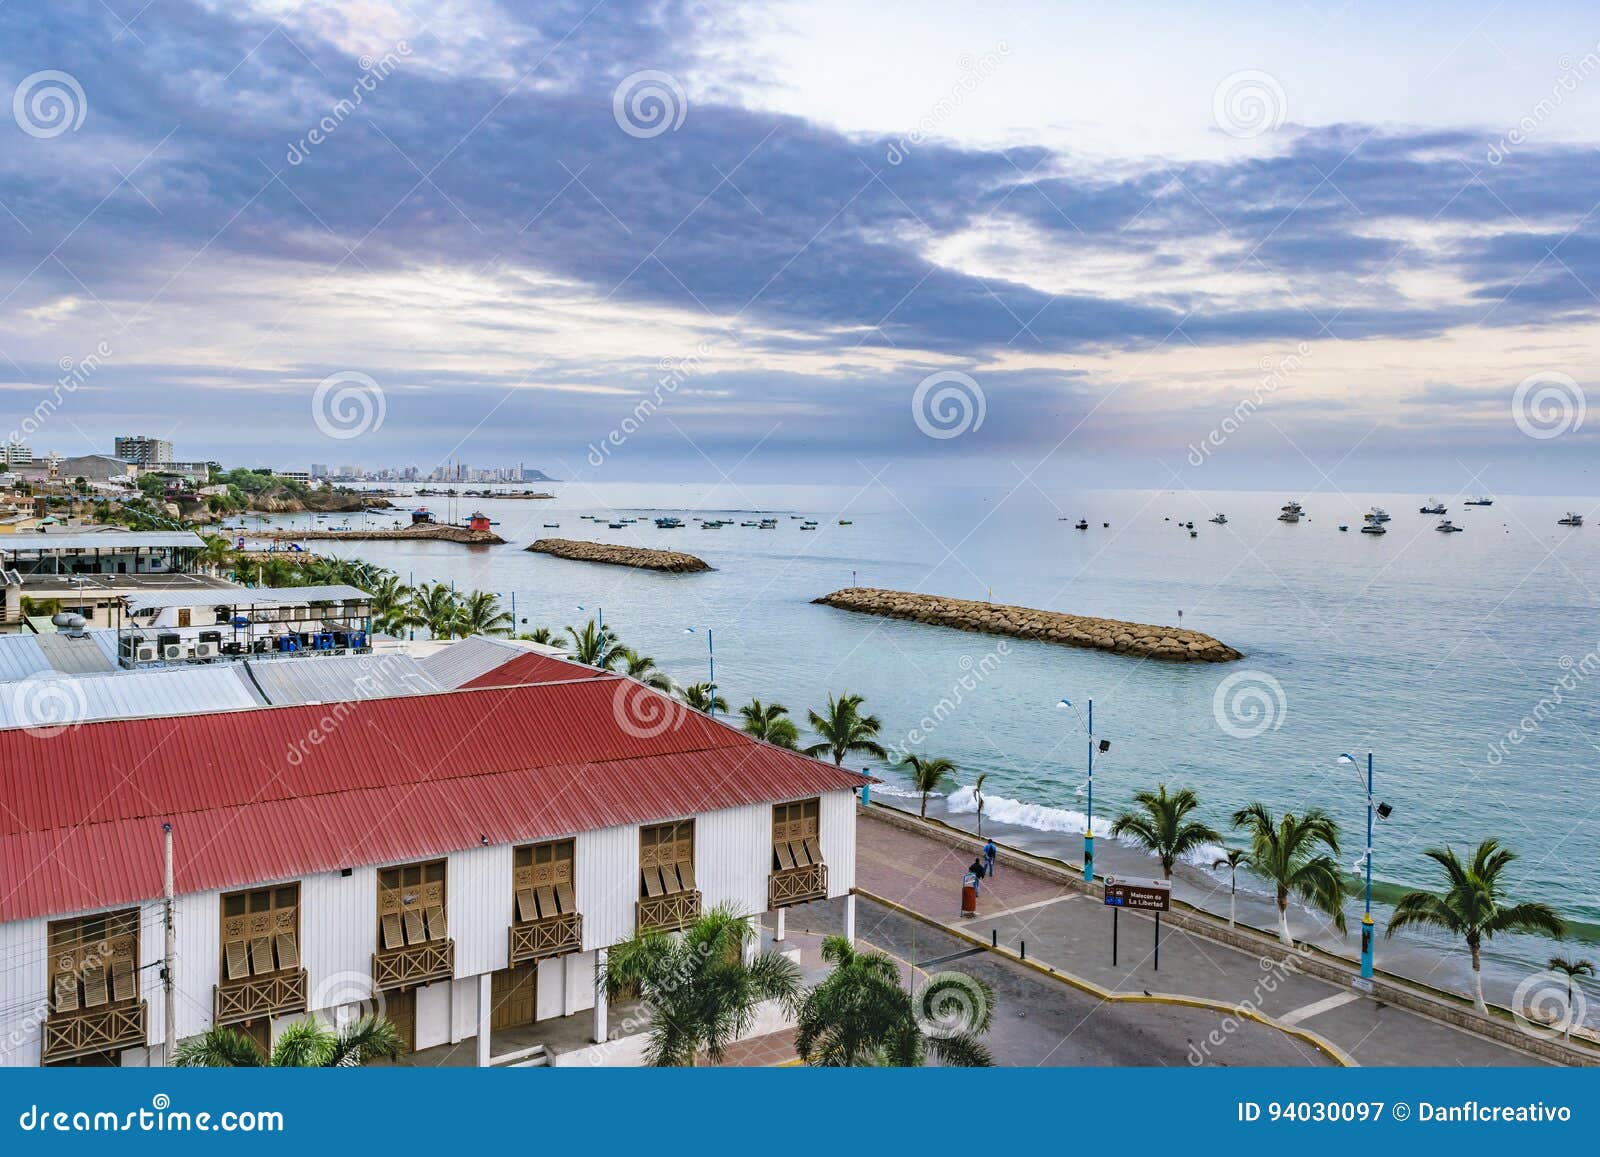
[1141, 246]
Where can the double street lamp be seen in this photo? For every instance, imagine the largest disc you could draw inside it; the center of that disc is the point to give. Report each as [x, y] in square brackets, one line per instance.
[1088, 819]
[1381, 810]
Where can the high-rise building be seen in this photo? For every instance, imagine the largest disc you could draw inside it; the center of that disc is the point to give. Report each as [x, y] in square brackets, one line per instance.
[16, 454]
[142, 451]
[318, 470]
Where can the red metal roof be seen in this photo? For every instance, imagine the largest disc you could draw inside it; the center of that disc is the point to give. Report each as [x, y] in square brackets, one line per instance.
[279, 792]
[532, 668]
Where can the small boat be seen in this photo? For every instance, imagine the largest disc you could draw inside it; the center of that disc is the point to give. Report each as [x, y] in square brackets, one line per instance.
[1342, 526]
[1221, 520]
[847, 522]
[1105, 526]
[1377, 514]
[1433, 507]
[1293, 507]
[768, 524]
[552, 526]
[669, 523]
[747, 524]
[1374, 528]
[808, 526]
[615, 525]
[1449, 527]
[1083, 524]
[1289, 515]
[1572, 519]
[1480, 501]
[1189, 525]
[1194, 534]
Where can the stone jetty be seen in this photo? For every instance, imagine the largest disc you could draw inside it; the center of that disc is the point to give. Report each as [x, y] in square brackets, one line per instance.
[635, 556]
[1142, 639]
[440, 532]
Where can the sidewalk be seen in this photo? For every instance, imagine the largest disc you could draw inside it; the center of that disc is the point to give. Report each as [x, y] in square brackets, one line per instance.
[1070, 931]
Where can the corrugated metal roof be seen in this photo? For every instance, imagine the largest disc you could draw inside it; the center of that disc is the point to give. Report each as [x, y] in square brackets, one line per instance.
[103, 540]
[465, 660]
[252, 597]
[20, 656]
[531, 668]
[339, 678]
[48, 698]
[282, 792]
[77, 654]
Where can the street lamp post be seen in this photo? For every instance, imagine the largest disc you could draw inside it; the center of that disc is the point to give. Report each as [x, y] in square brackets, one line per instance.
[711, 659]
[1088, 821]
[600, 616]
[1367, 928]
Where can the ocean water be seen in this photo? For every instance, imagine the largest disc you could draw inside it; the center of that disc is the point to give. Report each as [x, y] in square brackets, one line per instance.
[1467, 662]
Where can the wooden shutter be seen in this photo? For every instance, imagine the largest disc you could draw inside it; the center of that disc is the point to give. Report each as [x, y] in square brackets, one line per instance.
[66, 985]
[435, 917]
[413, 923]
[525, 907]
[392, 936]
[122, 980]
[288, 950]
[94, 985]
[238, 959]
[565, 898]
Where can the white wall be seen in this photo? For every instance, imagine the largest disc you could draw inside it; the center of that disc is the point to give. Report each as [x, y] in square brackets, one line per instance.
[733, 857]
[433, 1014]
[478, 895]
[838, 833]
[606, 863]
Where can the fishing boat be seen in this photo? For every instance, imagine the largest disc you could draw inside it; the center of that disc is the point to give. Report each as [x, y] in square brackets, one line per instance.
[1449, 527]
[1105, 526]
[1572, 519]
[1374, 528]
[669, 523]
[1480, 501]
[1083, 524]
[1289, 515]
[614, 525]
[768, 524]
[1377, 514]
[1434, 507]
[1343, 526]
[1194, 534]
[1221, 520]
[1293, 507]
[847, 522]
[552, 526]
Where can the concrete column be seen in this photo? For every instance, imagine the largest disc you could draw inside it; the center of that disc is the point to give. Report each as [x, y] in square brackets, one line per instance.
[778, 936]
[485, 1011]
[850, 917]
[599, 1032]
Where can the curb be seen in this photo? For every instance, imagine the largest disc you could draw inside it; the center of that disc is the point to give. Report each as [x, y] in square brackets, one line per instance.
[1332, 1051]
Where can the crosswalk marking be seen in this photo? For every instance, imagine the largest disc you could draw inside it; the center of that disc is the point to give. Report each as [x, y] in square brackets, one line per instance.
[1318, 1007]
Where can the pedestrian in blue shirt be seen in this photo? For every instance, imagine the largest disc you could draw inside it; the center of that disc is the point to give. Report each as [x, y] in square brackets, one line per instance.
[989, 851]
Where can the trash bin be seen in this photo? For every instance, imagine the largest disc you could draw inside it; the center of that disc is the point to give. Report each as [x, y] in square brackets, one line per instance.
[969, 895]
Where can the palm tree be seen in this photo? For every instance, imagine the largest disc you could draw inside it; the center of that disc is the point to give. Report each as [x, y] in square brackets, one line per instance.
[927, 773]
[862, 1015]
[216, 553]
[595, 646]
[391, 604]
[306, 1044]
[700, 993]
[644, 669]
[704, 699]
[1231, 859]
[435, 606]
[480, 613]
[844, 729]
[770, 722]
[1285, 853]
[1474, 906]
[977, 794]
[1573, 970]
[545, 636]
[1161, 826]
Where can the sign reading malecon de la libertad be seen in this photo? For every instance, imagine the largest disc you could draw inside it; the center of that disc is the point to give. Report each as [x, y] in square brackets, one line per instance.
[1146, 895]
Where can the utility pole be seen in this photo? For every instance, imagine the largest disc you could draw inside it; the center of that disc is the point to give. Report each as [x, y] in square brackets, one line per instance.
[169, 1001]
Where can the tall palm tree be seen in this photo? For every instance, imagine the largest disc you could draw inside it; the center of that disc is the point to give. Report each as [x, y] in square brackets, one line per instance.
[595, 646]
[771, 722]
[391, 601]
[843, 729]
[480, 613]
[1474, 905]
[644, 669]
[1160, 825]
[1286, 853]
[696, 986]
[860, 1014]
[977, 794]
[1231, 859]
[306, 1044]
[704, 699]
[216, 552]
[435, 606]
[927, 773]
[1573, 970]
[542, 635]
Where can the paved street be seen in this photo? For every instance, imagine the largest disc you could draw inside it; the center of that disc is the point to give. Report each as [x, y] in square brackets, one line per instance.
[1071, 932]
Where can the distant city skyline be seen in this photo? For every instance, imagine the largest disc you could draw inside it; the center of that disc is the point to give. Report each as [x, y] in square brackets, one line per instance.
[1164, 247]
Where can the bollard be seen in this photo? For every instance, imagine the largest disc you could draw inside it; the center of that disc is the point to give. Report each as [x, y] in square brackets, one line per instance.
[994, 938]
[1023, 951]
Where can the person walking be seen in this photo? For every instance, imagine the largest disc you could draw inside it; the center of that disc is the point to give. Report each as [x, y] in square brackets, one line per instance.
[976, 869]
[989, 851]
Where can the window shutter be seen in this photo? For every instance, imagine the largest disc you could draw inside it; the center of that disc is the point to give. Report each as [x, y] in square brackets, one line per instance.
[66, 992]
[122, 982]
[288, 950]
[238, 960]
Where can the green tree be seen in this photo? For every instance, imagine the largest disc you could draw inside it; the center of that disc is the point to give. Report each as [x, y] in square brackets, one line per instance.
[703, 698]
[1160, 824]
[977, 795]
[1474, 905]
[861, 1014]
[391, 604]
[696, 986]
[306, 1044]
[595, 646]
[1286, 853]
[1231, 859]
[927, 773]
[841, 729]
[435, 606]
[644, 669]
[1573, 969]
[770, 722]
[480, 613]
[545, 636]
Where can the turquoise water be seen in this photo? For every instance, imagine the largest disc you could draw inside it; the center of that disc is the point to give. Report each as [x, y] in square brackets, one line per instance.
[1427, 648]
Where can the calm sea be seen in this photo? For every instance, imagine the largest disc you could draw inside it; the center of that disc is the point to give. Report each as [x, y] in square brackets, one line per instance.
[1467, 662]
